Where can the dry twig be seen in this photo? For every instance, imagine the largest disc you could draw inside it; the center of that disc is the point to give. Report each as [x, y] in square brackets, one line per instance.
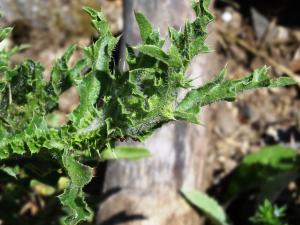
[233, 39]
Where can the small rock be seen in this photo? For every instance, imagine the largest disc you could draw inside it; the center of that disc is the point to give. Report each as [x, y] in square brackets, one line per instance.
[278, 35]
[296, 35]
[227, 17]
[260, 23]
[231, 18]
[295, 63]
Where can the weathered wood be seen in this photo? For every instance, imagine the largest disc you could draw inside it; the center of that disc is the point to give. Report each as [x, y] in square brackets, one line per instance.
[149, 188]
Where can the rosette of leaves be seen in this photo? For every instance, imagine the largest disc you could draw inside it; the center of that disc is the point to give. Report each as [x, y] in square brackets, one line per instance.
[114, 104]
[269, 214]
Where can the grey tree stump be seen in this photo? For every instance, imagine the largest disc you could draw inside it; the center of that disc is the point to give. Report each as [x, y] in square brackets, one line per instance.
[149, 188]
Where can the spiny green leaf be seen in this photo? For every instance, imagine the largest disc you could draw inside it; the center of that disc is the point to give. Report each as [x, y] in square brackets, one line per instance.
[99, 21]
[88, 91]
[4, 32]
[144, 25]
[148, 34]
[100, 52]
[73, 196]
[154, 52]
[171, 60]
[191, 41]
[282, 82]
[61, 78]
[80, 174]
[73, 200]
[227, 90]
[190, 115]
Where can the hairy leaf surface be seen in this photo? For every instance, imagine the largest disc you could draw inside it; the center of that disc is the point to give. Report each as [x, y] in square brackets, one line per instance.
[114, 105]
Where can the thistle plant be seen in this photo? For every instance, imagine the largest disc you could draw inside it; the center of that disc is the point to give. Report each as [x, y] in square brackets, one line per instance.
[113, 105]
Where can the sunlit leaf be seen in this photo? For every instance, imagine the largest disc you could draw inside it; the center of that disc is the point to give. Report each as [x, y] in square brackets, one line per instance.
[208, 206]
[124, 152]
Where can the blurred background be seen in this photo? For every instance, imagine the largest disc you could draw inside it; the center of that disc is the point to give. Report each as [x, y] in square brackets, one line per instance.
[246, 34]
